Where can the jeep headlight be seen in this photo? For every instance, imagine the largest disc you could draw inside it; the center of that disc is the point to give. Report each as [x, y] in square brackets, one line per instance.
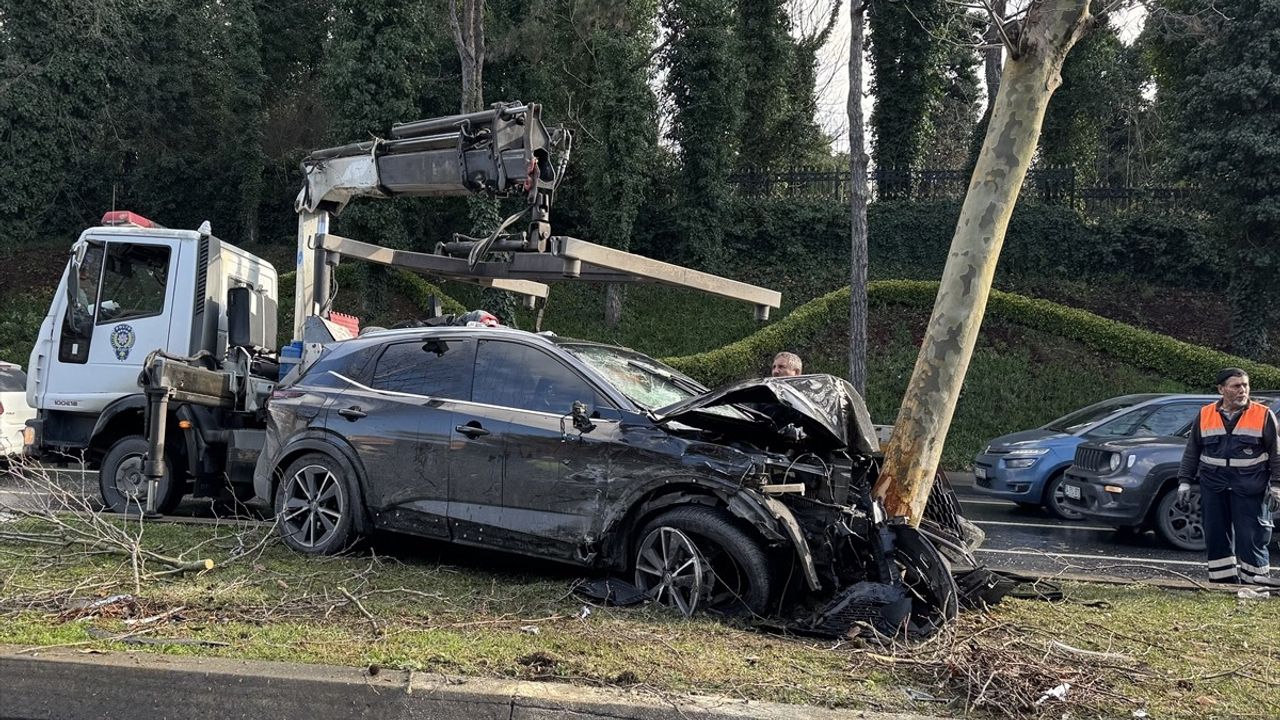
[1113, 463]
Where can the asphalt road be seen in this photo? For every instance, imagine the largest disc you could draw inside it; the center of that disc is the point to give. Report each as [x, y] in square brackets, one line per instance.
[1020, 540]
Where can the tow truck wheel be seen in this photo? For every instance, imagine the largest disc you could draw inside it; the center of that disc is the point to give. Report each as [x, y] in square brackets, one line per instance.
[313, 506]
[123, 484]
[695, 557]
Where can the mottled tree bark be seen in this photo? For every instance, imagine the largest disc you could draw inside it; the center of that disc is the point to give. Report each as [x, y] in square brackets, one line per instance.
[1038, 47]
[857, 205]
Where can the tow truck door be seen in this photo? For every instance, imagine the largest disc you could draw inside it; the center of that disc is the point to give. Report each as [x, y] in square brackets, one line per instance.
[116, 310]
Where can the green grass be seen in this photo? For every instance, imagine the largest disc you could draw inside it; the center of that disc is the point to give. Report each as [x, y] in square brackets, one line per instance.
[456, 611]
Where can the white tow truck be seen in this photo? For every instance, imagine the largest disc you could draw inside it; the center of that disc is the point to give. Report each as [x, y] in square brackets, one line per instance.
[158, 353]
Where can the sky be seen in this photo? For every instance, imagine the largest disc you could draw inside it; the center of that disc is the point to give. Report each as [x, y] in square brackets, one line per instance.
[833, 73]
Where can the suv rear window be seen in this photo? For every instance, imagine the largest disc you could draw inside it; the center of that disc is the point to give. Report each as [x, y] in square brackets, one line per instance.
[12, 380]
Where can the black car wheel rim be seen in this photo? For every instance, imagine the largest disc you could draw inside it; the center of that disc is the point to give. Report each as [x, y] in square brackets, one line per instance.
[1185, 520]
[670, 569]
[130, 481]
[312, 506]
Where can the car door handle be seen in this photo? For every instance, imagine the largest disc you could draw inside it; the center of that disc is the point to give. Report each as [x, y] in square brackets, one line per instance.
[353, 413]
[472, 431]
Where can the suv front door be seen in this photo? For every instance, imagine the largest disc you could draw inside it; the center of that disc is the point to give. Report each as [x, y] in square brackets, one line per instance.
[525, 395]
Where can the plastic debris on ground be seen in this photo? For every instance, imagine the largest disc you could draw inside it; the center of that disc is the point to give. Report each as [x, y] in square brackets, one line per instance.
[1058, 692]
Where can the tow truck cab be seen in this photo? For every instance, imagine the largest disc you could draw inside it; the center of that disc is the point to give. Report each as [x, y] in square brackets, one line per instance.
[130, 287]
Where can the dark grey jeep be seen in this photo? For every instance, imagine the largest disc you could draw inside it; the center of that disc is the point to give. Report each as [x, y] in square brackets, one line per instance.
[601, 457]
[1131, 484]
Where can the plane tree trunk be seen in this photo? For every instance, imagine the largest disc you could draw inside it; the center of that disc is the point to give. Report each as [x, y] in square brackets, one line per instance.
[1037, 48]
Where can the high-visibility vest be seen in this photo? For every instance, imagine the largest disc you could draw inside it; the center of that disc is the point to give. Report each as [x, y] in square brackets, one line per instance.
[1237, 459]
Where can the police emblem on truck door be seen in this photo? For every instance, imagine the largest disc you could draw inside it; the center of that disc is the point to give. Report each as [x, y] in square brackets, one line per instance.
[122, 339]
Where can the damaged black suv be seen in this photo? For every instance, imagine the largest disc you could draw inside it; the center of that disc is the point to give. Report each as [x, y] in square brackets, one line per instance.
[601, 457]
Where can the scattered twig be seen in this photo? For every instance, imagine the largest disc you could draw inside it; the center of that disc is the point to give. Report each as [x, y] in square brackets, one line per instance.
[372, 621]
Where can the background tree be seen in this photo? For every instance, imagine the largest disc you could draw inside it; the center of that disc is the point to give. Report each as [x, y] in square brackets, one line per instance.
[955, 111]
[620, 132]
[58, 61]
[374, 75]
[907, 50]
[166, 90]
[807, 142]
[1098, 92]
[858, 192]
[295, 116]
[705, 84]
[1217, 80]
[992, 68]
[767, 56]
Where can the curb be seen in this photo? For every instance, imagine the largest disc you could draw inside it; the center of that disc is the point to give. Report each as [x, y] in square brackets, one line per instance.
[62, 683]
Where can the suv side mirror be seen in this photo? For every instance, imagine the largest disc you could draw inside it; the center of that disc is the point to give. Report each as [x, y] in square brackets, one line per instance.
[581, 422]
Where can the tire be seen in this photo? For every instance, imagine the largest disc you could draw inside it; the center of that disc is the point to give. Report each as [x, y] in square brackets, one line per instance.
[313, 506]
[124, 487]
[1181, 526]
[733, 572]
[1055, 499]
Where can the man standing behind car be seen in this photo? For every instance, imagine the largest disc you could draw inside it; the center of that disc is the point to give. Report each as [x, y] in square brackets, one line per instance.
[1232, 448]
[786, 364]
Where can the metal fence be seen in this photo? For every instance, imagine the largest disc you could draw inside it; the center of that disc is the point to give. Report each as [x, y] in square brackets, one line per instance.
[1052, 185]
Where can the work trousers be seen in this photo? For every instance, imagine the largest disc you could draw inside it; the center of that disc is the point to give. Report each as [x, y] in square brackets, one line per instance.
[1237, 530]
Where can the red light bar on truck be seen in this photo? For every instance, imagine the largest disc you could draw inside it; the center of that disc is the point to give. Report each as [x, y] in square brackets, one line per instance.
[124, 217]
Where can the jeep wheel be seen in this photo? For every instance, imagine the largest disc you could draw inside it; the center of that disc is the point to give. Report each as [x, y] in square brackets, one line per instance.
[1055, 499]
[695, 557]
[1180, 524]
[124, 486]
[313, 506]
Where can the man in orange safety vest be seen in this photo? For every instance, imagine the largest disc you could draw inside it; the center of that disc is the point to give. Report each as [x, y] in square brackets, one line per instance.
[1232, 450]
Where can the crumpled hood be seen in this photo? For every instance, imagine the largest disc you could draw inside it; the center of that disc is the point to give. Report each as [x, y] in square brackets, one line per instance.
[826, 407]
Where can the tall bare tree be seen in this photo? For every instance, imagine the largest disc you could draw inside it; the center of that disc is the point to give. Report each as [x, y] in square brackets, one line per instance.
[1037, 46]
[467, 24]
[857, 203]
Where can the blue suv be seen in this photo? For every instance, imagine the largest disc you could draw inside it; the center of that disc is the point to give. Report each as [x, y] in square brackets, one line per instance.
[1028, 467]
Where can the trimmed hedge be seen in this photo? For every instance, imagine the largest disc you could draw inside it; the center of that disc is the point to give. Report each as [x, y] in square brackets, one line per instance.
[1192, 365]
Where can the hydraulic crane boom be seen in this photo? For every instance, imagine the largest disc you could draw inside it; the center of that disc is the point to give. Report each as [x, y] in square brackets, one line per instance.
[503, 151]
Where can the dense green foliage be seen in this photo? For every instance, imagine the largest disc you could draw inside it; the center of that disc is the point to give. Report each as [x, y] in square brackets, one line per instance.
[910, 240]
[907, 47]
[705, 82]
[154, 105]
[1091, 116]
[955, 113]
[1219, 79]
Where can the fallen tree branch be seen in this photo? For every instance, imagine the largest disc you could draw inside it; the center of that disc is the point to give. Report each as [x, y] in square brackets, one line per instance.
[372, 621]
[1065, 649]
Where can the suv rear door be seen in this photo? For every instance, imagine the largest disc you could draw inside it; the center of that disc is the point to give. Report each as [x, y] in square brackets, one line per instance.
[400, 425]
